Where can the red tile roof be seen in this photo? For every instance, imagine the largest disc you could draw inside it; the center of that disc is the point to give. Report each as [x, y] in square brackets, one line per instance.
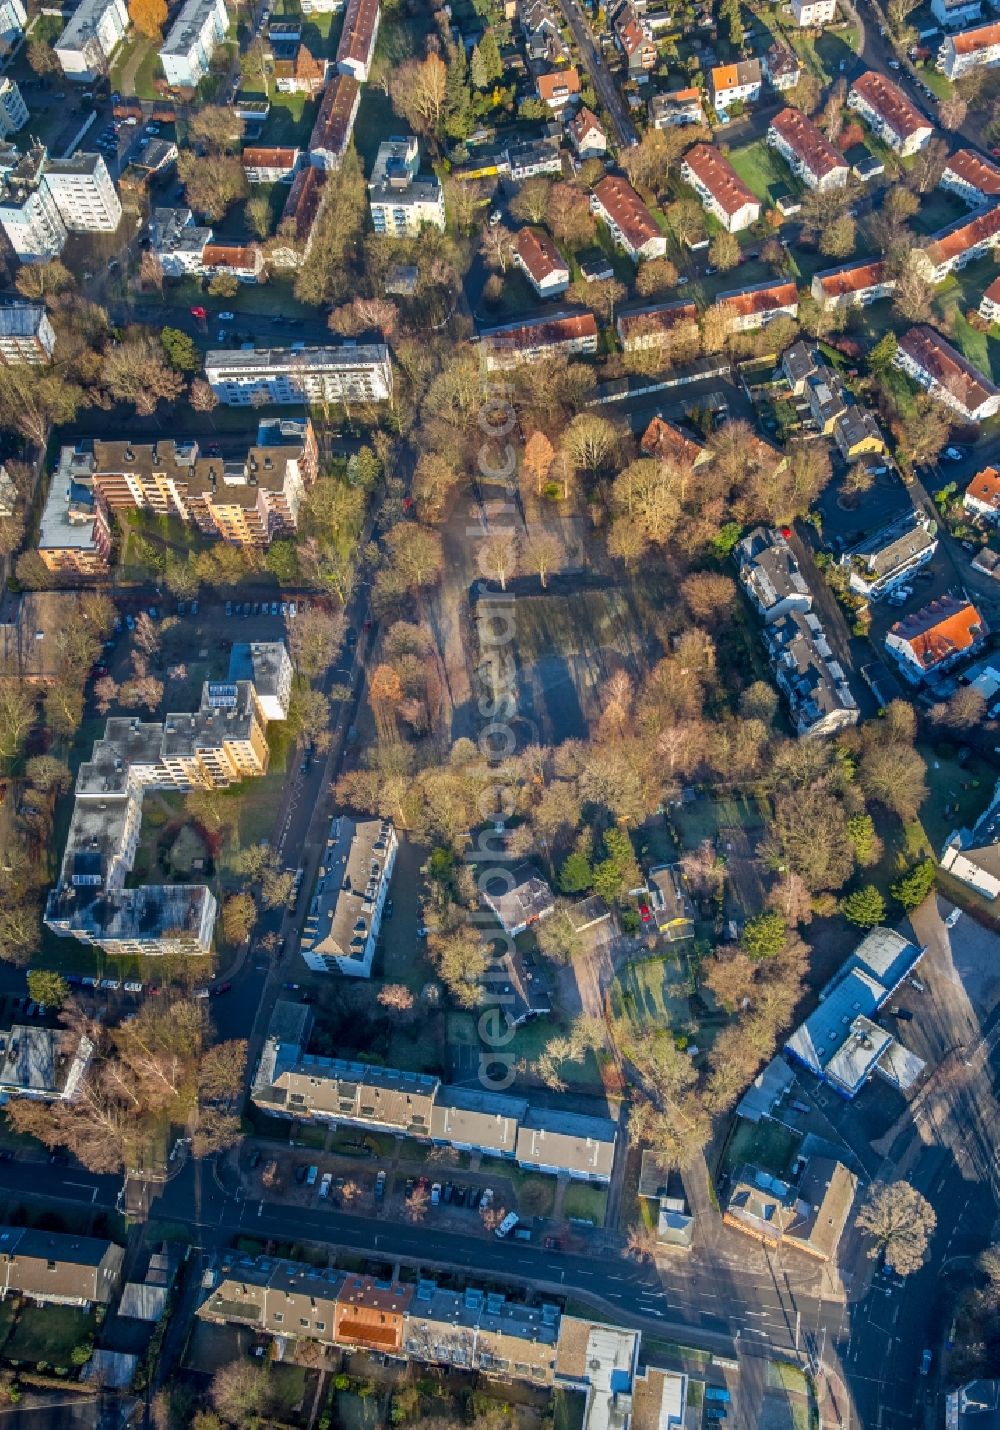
[539, 254]
[662, 439]
[719, 177]
[617, 196]
[993, 291]
[747, 302]
[889, 101]
[305, 66]
[940, 630]
[558, 85]
[808, 142]
[855, 278]
[231, 255]
[981, 38]
[302, 204]
[335, 119]
[632, 36]
[985, 488]
[725, 77]
[971, 167]
[359, 27]
[954, 240]
[269, 158]
[946, 366]
[544, 332]
[658, 317]
[582, 122]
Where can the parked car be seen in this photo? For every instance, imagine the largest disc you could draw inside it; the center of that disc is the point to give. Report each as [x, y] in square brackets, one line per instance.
[552, 1243]
[311, 1176]
[254, 1160]
[460, 1192]
[925, 1362]
[436, 1194]
[903, 1014]
[132, 987]
[325, 1184]
[447, 1192]
[916, 983]
[300, 1173]
[508, 1224]
[380, 1186]
[954, 454]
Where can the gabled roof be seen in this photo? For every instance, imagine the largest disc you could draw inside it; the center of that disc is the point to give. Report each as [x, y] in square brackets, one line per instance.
[583, 123]
[270, 158]
[966, 233]
[217, 255]
[632, 36]
[761, 298]
[973, 169]
[852, 278]
[980, 38]
[985, 487]
[617, 196]
[662, 439]
[539, 254]
[360, 21]
[940, 630]
[564, 328]
[945, 365]
[808, 142]
[559, 83]
[725, 77]
[656, 317]
[713, 170]
[890, 103]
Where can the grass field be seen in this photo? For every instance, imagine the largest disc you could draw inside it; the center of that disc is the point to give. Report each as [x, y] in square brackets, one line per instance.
[528, 1043]
[764, 1144]
[48, 1333]
[585, 1203]
[963, 791]
[652, 994]
[763, 171]
[703, 819]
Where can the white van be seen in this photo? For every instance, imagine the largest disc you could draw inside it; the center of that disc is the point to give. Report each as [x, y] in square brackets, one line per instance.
[508, 1224]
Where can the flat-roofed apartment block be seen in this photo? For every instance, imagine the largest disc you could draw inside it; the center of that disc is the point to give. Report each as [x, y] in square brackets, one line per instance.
[807, 151]
[960, 243]
[530, 340]
[357, 38]
[755, 307]
[331, 133]
[721, 190]
[946, 374]
[74, 534]
[630, 222]
[885, 109]
[473, 1120]
[248, 498]
[13, 110]
[972, 49]
[953, 14]
[41, 1063]
[26, 335]
[347, 1094]
[566, 1142]
[971, 177]
[352, 883]
[178, 242]
[889, 556]
[29, 214]
[84, 193]
[222, 743]
[271, 166]
[853, 285]
[93, 33]
[349, 372]
[402, 202]
[186, 54]
[541, 262]
[56, 1269]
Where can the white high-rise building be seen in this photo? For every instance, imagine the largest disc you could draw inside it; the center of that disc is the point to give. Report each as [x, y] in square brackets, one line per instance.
[84, 193]
[28, 213]
[187, 51]
[13, 110]
[13, 18]
[94, 32]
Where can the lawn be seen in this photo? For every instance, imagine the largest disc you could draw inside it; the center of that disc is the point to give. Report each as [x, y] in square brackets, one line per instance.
[938, 209]
[764, 172]
[568, 1408]
[148, 70]
[290, 121]
[48, 1333]
[288, 1387]
[766, 1144]
[528, 1042]
[585, 1203]
[652, 994]
[703, 818]
[951, 301]
[958, 794]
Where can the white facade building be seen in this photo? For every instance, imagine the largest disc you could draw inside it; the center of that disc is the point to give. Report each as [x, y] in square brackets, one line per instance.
[813, 13]
[350, 372]
[401, 202]
[345, 912]
[13, 18]
[13, 110]
[84, 193]
[94, 32]
[970, 50]
[956, 14]
[191, 40]
[28, 212]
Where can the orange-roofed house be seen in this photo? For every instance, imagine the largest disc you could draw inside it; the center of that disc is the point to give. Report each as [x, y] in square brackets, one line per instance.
[371, 1313]
[541, 263]
[651, 326]
[807, 151]
[757, 306]
[960, 243]
[560, 88]
[946, 374]
[721, 190]
[982, 495]
[885, 109]
[520, 343]
[853, 285]
[969, 50]
[729, 83]
[271, 166]
[632, 226]
[662, 439]
[971, 177]
[243, 261]
[935, 638]
[989, 304]
[586, 134]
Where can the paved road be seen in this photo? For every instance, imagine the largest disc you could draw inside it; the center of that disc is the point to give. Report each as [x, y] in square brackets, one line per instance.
[601, 77]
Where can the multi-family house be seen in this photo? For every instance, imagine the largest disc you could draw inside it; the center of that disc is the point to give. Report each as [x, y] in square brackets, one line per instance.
[242, 261]
[92, 35]
[349, 373]
[402, 201]
[634, 38]
[74, 533]
[352, 884]
[198, 30]
[954, 14]
[559, 88]
[812, 14]
[632, 226]
[758, 305]
[676, 109]
[541, 262]
[532, 340]
[178, 242]
[781, 66]
[652, 325]
[884, 560]
[84, 193]
[989, 303]
[946, 374]
[271, 166]
[807, 151]
[721, 190]
[771, 575]
[971, 177]
[42, 200]
[981, 497]
[357, 38]
[960, 243]
[13, 110]
[43, 1064]
[56, 1269]
[526, 902]
[887, 111]
[809, 1215]
[334, 124]
[586, 134]
[969, 50]
[567, 1143]
[853, 284]
[26, 335]
[931, 641]
[857, 433]
[666, 441]
[728, 84]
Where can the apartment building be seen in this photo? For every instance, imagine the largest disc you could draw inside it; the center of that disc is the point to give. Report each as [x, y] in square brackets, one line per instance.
[242, 261]
[57, 1269]
[946, 374]
[541, 262]
[352, 884]
[886, 110]
[969, 50]
[93, 33]
[74, 534]
[186, 54]
[44, 1064]
[971, 177]
[248, 496]
[271, 166]
[634, 37]
[853, 285]
[676, 109]
[334, 124]
[357, 38]
[666, 441]
[349, 373]
[84, 193]
[781, 66]
[771, 575]
[960, 243]
[981, 498]
[298, 217]
[632, 226]
[586, 134]
[26, 335]
[536, 156]
[927, 643]
[29, 215]
[812, 14]
[729, 83]
[721, 190]
[953, 14]
[222, 743]
[13, 20]
[13, 110]
[887, 558]
[809, 1215]
[653, 325]
[178, 242]
[755, 307]
[402, 202]
[807, 151]
[559, 89]
[532, 340]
